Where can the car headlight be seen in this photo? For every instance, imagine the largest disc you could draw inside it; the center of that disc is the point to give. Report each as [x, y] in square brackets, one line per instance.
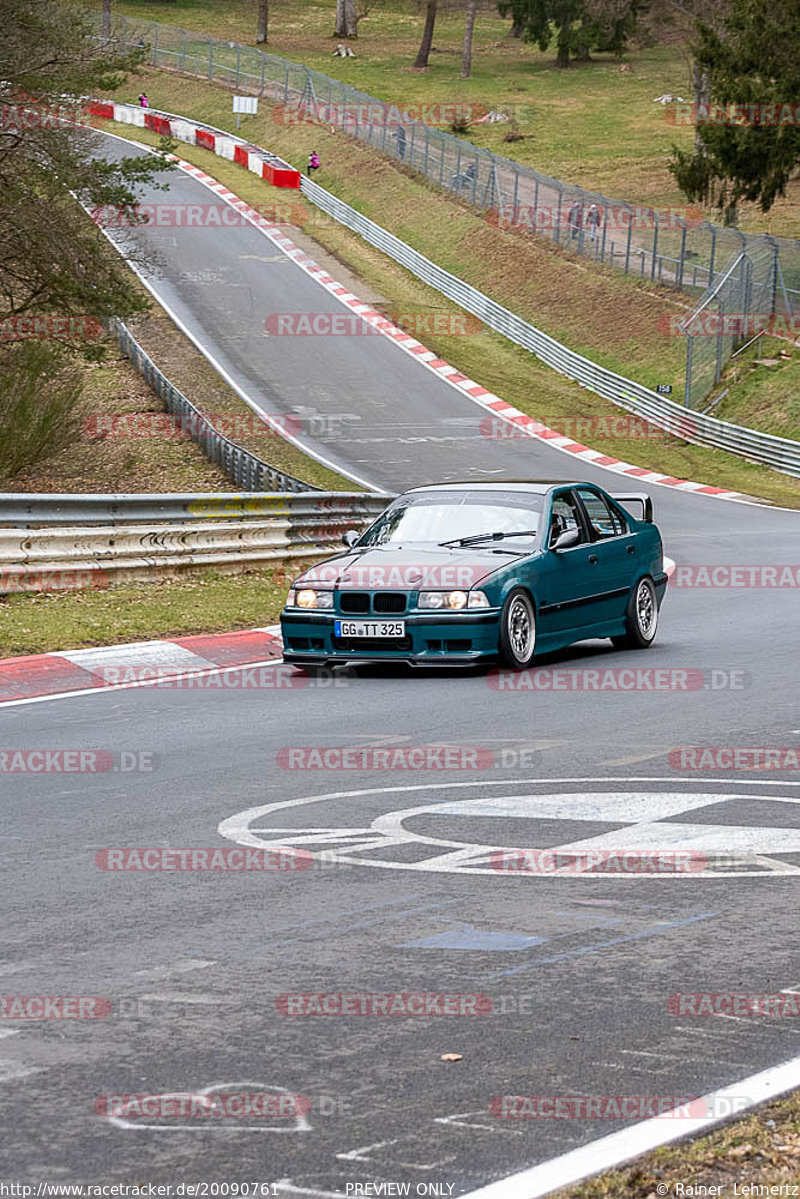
[452, 601]
[307, 597]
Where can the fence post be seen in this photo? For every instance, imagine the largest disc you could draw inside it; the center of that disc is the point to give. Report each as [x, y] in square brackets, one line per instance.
[441, 164]
[536, 205]
[655, 246]
[211, 58]
[558, 215]
[713, 254]
[238, 60]
[628, 244]
[155, 44]
[286, 82]
[687, 386]
[427, 147]
[682, 260]
[605, 233]
[183, 51]
[263, 69]
[516, 195]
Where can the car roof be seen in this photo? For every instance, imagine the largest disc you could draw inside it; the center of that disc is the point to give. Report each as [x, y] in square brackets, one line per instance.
[536, 486]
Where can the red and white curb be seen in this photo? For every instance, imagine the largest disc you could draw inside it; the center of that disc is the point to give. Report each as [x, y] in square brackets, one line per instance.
[137, 664]
[232, 149]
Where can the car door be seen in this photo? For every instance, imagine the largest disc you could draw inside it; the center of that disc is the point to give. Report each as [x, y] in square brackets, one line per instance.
[615, 549]
[567, 579]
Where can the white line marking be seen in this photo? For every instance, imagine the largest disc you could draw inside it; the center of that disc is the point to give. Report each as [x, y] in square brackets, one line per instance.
[606, 1153]
[182, 966]
[641, 809]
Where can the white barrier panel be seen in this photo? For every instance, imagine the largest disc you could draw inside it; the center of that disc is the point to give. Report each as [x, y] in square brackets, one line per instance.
[128, 114]
[255, 164]
[225, 147]
[183, 131]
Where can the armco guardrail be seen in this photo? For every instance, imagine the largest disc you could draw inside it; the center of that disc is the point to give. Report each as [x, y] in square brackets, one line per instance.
[780, 453]
[46, 541]
[243, 469]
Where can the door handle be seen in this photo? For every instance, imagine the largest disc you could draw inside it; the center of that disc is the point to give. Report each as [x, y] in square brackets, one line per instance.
[593, 558]
[631, 549]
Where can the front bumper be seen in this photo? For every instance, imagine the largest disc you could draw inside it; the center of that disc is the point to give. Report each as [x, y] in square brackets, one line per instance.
[431, 638]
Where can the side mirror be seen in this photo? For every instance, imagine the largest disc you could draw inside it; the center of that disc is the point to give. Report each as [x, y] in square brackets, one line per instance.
[565, 540]
[350, 537]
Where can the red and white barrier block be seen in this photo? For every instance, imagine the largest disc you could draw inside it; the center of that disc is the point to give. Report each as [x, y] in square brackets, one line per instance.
[261, 162]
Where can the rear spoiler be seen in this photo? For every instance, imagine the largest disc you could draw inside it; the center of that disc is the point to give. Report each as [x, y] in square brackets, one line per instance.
[637, 497]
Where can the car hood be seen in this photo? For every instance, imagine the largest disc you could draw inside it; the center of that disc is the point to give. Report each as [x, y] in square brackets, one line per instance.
[410, 567]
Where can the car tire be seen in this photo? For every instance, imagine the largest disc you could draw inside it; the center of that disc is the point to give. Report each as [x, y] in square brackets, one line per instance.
[641, 617]
[517, 630]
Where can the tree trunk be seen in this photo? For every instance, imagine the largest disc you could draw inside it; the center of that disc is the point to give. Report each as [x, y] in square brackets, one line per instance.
[263, 21]
[427, 35]
[106, 27]
[562, 55]
[701, 88]
[466, 62]
[346, 19]
[518, 28]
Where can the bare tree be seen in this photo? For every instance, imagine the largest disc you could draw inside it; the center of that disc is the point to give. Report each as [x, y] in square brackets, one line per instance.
[427, 34]
[106, 26]
[469, 27]
[346, 19]
[263, 22]
[712, 13]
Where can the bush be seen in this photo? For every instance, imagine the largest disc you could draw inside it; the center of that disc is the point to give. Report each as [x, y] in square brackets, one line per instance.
[40, 405]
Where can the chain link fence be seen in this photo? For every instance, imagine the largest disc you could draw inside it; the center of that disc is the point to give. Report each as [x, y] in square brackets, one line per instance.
[665, 247]
[244, 469]
[736, 311]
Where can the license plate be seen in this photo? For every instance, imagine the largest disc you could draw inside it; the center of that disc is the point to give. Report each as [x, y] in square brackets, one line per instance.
[369, 628]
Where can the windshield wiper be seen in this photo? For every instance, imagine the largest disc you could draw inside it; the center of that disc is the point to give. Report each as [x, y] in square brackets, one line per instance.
[477, 537]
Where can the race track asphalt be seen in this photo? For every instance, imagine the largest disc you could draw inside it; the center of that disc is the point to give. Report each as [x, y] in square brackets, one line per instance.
[579, 970]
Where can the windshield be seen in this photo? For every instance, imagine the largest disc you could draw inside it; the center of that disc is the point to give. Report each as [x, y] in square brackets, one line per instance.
[448, 515]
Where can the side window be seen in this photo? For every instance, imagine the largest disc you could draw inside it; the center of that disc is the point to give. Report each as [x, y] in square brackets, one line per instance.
[565, 517]
[605, 522]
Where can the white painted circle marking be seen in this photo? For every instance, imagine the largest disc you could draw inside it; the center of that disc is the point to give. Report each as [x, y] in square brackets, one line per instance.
[649, 820]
